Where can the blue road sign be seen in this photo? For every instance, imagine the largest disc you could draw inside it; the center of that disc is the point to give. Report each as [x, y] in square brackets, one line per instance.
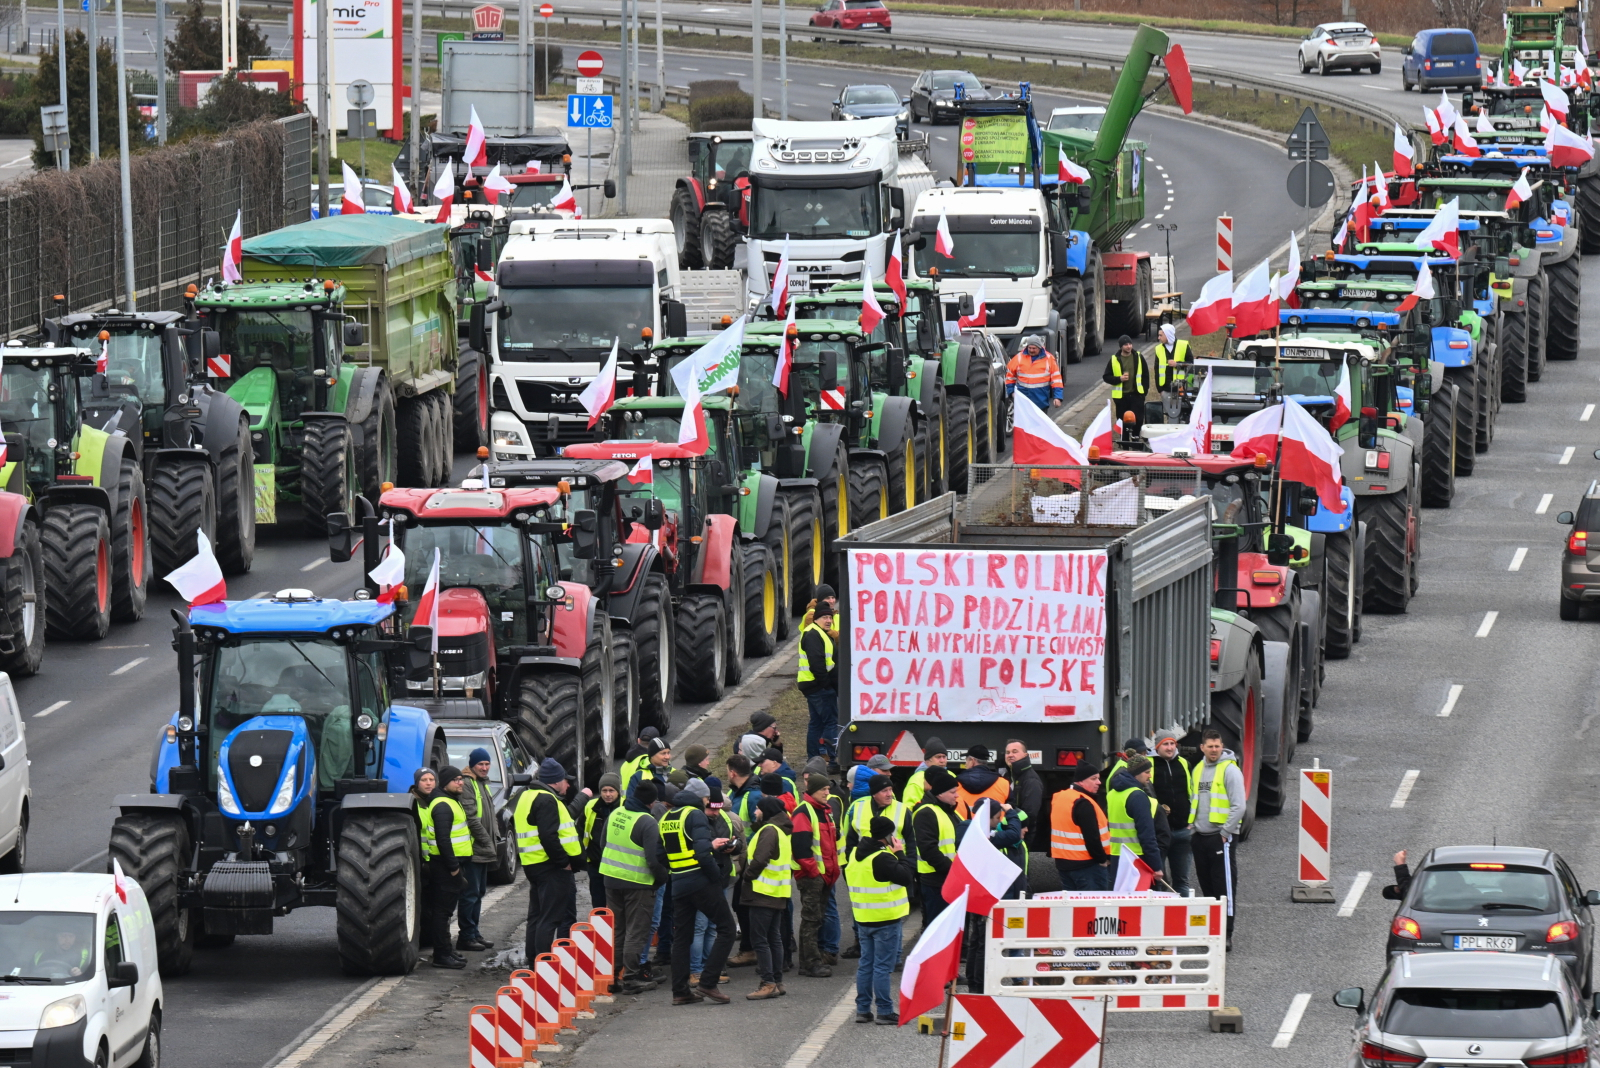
[593, 112]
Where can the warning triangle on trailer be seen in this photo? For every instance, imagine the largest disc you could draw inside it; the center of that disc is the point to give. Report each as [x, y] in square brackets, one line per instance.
[905, 751]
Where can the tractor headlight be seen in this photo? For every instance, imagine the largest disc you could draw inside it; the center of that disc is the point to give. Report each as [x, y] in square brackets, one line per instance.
[509, 437]
[63, 1013]
[225, 798]
[285, 798]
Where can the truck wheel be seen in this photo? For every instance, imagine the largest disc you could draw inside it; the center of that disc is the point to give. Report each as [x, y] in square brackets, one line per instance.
[1387, 567]
[1340, 597]
[414, 428]
[547, 713]
[869, 497]
[717, 240]
[779, 538]
[181, 502]
[1514, 359]
[471, 402]
[962, 440]
[1465, 379]
[624, 692]
[236, 504]
[378, 899]
[1565, 297]
[686, 228]
[1588, 200]
[807, 546]
[1278, 719]
[760, 600]
[1538, 322]
[22, 604]
[444, 414]
[702, 645]
[1439, 448]
[377, 455]
[902, 480]
[1066, 297]
[77, 572]
[328, 481]
[130, 546]
[1236, 714]
[657, 653]
[153, 849]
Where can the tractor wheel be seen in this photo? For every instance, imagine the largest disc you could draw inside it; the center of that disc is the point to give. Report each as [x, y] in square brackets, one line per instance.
[328, 478]
[1127, 316]
[760, 600]
[181, 499]
[236, 504]
[1538, 325]
[1465, 379]
[869, 496]
[1341, 596]
[471, 402]
[414, 425]
[1066, 297]
[378, 899]
[733, 601]
[625, 725]
[1438, 448]
[1094, 308]
[1388, 564]
[377, 453]
[717, 240]
[1514, 359]
[1281, 623]
[153, 849]
[981, 390]
[599, 705]
[686, 228]
[77, 572]
[962, 440]
[548, 704]
[1566, 295]
[779, 537]
[807, 546]
[834, 493]
[130, 546]
[657, 652]
[1588, 200]
[444, 414]
[902, 480]
[22, 602]
[1277, 703]
[702, 646]
[1236, 714]
[1488, 402]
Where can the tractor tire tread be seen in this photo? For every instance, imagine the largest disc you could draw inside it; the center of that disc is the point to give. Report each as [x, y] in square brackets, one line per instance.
[378, 893]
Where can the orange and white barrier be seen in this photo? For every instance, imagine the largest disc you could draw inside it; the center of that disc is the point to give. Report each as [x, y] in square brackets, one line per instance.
[566, 953]
[523, 980]
[547, 999]
[482, 1043]
[508, 1022]
[1224, 243]
[1316, 817]
[583, 960]
[604, 922]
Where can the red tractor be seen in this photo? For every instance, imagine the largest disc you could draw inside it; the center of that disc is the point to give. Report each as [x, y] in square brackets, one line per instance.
[711, 205]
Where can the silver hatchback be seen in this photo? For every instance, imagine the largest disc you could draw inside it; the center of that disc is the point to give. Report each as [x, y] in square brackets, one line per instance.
[1486, 1010]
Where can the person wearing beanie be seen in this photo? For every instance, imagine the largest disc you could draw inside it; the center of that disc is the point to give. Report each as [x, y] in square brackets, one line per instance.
[744, 795]
[1035, 374]
[823, 601]
[548, 845]
[424, 782]
[855, 780]
[446, 848]
[880, 877]
[935, 825]
[765, 888]
[772, 763]
[638, 754]
[1027, 789]
[1080, 839]
[762, 735]
[694, 761]
[816, 856]
[724, 824]
[631, 869]
[818, 679]
[478, 801]
[591, 817]
[1128, 375]
[1169, 781]
[934, 755]
[655, 765]
[689, 852]
[879, 802]
[1131, 811]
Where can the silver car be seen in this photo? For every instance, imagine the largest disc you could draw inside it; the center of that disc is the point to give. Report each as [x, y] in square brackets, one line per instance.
[1487, 1010]
[1340, 46]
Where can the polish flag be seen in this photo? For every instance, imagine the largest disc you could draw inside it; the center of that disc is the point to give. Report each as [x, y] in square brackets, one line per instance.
[980, 310]
[1582, 75]
[403, 204]
[943, 243]
[427, 614]
[390, 572]
[533, 167]
[791, 342]
[1036, 439]
[1098, 436]
[1520, 190]
[1404, 153]
[1287, 291]
[1555, 100]
[351, 202]
[1488, 77]
[1421, 291]
[894, 273]
[1211, 308]
[1380, 187]
[1341, 399]
[477, 150]
[1545, 121]
[1566, 77]
[564, 199]
[601, 394]
[119, 881]
[1310, 455]
[102, 362]
[692, 434]
[871, 310]
[1133, 874]
[1567, 149]
[1068, 171]
[3, 447]
[933, 962]
[1255, 311]
[1257, 433]
[1484, 125]
[1447, 111]
[1465, 143]
[1435, 130]
[1517, 73]
[200, 580]
[1197, 436]
[233, 252]
[444, 191]
[495, 184]
[980, 872]
[1344, 229]
[1444, 230]
[643, 473]
[778, 295]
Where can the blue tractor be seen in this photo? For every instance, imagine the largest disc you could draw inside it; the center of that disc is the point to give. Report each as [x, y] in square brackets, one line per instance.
[281, 781]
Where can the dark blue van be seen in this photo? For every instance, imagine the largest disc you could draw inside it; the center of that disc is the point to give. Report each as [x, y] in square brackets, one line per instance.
[1442, 57]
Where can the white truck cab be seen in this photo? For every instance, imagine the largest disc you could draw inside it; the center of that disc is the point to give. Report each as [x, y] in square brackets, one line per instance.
[78, 969]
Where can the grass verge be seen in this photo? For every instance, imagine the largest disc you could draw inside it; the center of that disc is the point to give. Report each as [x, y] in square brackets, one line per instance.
[789, 709]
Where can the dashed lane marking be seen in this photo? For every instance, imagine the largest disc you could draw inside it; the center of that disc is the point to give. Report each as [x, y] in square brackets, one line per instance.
[1291, 1021]
[1566, 454]
[1488, 624]
[1407, 781]
[1516, 558]
[57, 707]
[1450, 700]
[313, 565]
[1544, 503]
[1353, 898]
[1588, 410]
[130, 665]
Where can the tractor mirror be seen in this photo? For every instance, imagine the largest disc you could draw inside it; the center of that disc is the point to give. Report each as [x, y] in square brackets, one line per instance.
[341, 537]
[1308, 504]
[610, 189]
[1368, 437]
[477, 335]
[897, 198]
[1058, 254]
[1565, 519]
[210, 346]
[830, 374]
[485, 254]
[585, 534]
[421, 637]
[1423, 386]
[655, 514]
[967, 309]
[1279, 546]
[775, 427]
[355, 335]
[896, 360]
[674, 318]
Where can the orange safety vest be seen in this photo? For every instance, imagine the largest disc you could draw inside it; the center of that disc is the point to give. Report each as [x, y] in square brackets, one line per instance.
[1066, 837]
[1000, 790]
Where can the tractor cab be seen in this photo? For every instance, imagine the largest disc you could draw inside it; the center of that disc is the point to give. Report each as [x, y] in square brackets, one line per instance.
[717, 163]
[39, 416]
[143, 352]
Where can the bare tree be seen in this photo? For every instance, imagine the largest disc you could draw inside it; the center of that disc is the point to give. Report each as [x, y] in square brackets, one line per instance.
[1474, 15]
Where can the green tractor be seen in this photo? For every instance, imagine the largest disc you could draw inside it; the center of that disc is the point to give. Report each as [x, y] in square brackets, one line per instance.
[475, 245]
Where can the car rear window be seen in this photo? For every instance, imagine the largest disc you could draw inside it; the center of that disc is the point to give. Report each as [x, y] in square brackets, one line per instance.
[1454, 44]
[1351, 31]
[863, 5]
[1588, 517]
[1462, 888]
[1426, 1012]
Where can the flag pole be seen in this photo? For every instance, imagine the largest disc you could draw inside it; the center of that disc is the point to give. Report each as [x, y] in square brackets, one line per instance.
[949, 1007]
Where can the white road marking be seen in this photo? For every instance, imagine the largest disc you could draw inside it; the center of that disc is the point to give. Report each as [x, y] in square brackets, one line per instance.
[1450, 700]
[695, 69]
[1291, 1021]
[1516, 559]
[313, 1043]
[1544, 503]
[57, 707]
[130, 665]
[1488, 624]
[1144, 226]
[1566, 454]
[313, 565]
[1407, 781]
[1588, 410]
[941, 137]
[827, 85]
[806, 1054]
[86, 861]
[1161, 215]
[1353, 898]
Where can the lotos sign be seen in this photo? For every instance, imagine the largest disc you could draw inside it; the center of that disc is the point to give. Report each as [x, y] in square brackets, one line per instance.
[976, 635]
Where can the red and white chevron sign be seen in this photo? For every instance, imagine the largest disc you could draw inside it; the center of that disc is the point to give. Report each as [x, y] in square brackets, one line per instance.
[833, 399]
[1316, 816]
[219, 366]
[1224, 243]
[990, 1032]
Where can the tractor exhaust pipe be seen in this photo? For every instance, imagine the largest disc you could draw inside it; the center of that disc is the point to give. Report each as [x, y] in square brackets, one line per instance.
[185, 778]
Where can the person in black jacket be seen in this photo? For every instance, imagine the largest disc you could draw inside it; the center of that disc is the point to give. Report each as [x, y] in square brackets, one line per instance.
[934, 851]
[818, 679]
[552, 889]
[1027, 789]
[695, 890]
[1169, 781]
[880, 939]
[445, 877]
[1128, 375]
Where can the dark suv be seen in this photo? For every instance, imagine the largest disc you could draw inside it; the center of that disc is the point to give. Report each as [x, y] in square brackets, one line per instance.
[1580, 567]
[1507, 899]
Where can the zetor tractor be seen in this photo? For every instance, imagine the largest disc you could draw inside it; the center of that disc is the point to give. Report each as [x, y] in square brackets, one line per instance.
[281, 782]
[711, 206]
[88, 489]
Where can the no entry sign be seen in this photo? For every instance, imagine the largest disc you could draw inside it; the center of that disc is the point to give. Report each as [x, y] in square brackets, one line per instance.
[545, 11]
[590, 64]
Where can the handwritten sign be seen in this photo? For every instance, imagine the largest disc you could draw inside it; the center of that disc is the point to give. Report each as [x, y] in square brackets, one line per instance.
[976, 635]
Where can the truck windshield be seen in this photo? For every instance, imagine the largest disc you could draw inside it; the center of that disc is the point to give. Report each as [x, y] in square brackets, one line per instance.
[133, 366]
[534, 196]
[52, 948]
[283, 677]
[814, 213]
[984, 255]
[484, 558]
[277, 338]
[568, 323]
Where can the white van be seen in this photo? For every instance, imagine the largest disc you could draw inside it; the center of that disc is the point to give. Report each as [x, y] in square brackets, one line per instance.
[78, 977]
[16, 795]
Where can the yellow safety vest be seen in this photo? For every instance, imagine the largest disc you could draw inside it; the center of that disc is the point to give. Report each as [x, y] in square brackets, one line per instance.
[621, 859]
[530, 846]
[1219, 791]
[806, 673]
[680, 851]
[632, 768]
[873, 900]
[1120, 821]
[776, 879]
[947, 838]
[460, 836]
[916, 787]
[861, 814]
[1165, 362]
[589, 816]
[1140, 386]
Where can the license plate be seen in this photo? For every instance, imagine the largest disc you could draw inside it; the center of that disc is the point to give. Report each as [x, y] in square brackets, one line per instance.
[869, 25]
[1358, 294]
[1503, 943]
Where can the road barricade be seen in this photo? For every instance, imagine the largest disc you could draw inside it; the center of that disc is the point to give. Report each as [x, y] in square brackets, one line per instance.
[508, 1024]
[604, 923]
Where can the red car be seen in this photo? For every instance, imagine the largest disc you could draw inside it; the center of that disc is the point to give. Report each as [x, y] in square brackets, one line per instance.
[852, 15]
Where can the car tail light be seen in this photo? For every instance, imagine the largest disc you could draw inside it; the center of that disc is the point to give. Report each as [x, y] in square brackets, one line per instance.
[1576, 1055]
[1265, 578]
[863, 752]
[1376, 1056]
[1578, 542]
[1071, 758]
[1216, 650]
[1405, 927]
[1478, 64]
[1427, 64]
[1565, 931]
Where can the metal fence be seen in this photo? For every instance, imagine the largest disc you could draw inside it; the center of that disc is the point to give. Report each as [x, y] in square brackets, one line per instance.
[1006, 495]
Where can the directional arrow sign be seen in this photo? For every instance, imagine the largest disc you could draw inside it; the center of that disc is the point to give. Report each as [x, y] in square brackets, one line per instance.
[1016, 1032]
[1308, 140]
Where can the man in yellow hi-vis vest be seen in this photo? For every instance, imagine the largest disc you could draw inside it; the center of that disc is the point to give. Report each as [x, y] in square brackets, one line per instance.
[548, 845]
[818, 678]
[446, 847]
[1129, 378]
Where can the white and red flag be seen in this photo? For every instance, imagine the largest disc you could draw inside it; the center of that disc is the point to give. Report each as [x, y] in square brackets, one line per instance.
[943, 243]
[1380, 187]
[1404, 153]
[1213, 306]
[1068, 171]
[1036, 439]
[1435, 130]
[980, 872]
[565, 199]
[778, 295]
[444, 191]
[1555, 99]
[980, 309]
[102, 362]
[1520, 190]
[1196, 437]
[601, 394]
[119, 881]
[1133, 874]
[1099, 433]
[1287, 292]
[933, 962]
[1567, 149]
[894, 273]
[233, 251]
[1310, 455]
[1443, 231]
[786, 351]
[1257, 433]
[477, 150]
[427, 614]
[403, 204]
[1420, 291]
[351, 201]
[1484, 125]
[390, 572]
[1341, 398]
[642, 473]
[199, 581]
[1255, 307]
[1465, 144]
[494, 183]
[871, 311]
